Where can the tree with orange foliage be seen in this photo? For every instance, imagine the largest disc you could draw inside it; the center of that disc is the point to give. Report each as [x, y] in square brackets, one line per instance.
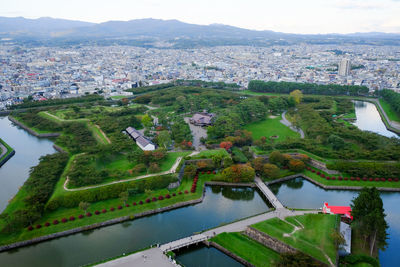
[226, 145]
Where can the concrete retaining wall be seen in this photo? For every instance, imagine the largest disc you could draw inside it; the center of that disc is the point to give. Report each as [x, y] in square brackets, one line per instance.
[32, 132]
[269, 241]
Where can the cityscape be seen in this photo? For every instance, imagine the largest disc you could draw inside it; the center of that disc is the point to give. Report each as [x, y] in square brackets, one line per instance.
[198, 133]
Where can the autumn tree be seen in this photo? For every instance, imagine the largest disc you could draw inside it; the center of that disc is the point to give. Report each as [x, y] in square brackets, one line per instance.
[297, 96]
[270, 171]
[296, 165]
[226, 145]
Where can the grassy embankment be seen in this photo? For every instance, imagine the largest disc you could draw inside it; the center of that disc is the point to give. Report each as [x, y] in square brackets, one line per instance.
[121, 164]
[60, 213]
[313, 238]
[271, 127]
[393, 116]
[99, 135]
[247, 249]
[9, 149]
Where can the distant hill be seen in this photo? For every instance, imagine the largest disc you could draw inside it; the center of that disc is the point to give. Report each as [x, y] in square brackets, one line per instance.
[143, 32]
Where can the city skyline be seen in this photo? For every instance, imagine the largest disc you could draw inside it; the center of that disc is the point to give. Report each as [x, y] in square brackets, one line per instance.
[307, 17]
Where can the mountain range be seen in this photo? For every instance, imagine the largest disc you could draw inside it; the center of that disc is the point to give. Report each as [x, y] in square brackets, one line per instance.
[173, 31]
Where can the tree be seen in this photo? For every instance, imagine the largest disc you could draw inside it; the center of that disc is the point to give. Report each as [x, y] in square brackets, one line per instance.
[147, 121]
[276, 157]
[258, 164]
[297, 96]
[296, 165]
[369, 218]
[270, 170]
[297, 259]
[238, 173]
[336, 142]
[226, 145]
[154, 167]
[338, 238]
[164, 139]
[123, 196]
[84, 206]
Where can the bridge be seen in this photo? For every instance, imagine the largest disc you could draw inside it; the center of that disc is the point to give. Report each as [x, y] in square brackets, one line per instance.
[184, 242]
[268, 194]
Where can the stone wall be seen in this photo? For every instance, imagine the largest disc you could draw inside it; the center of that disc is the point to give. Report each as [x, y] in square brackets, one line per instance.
[3, 161]
[32, 132]
[269, 241]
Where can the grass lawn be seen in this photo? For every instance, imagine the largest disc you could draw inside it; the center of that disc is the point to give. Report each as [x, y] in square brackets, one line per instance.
[247, 249]
[60, 213]
[117, 97]
[270, 127]
[393, 116]
[208, 153]
[314, 238]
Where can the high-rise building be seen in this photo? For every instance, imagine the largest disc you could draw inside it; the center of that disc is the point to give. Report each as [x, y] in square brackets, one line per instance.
[344, 67]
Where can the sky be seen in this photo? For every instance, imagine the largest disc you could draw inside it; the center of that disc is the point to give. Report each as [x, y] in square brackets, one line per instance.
[290, 16]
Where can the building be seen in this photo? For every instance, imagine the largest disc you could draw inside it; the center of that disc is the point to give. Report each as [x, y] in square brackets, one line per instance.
[345, 211]
[202, 118]
[344, 67]
[140, 140]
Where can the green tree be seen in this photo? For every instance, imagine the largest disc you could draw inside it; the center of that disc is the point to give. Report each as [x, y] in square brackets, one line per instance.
[336, 142]
[123, 196]
[84, 206]
[147, 121]
[297, 96]
[270, 171]
[164, 139]
[369, 218]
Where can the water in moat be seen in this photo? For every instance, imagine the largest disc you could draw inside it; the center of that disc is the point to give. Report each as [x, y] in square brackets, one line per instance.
[368, 119]
[28, 149]
[220, 205]
[300, 193]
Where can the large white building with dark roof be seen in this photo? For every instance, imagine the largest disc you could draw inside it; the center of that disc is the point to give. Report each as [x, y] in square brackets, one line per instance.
[140, 140]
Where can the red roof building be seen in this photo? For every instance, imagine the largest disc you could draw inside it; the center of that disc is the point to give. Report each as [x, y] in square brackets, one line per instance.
[342, 210]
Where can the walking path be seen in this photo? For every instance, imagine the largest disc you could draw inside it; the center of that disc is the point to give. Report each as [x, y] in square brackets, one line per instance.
[172, 170]
[148, 258]
[268, 193]
[284, 121]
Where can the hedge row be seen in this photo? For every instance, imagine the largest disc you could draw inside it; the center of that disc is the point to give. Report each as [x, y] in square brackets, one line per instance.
[72, 199]
[98, 212]
[367, 169]
[340, 178]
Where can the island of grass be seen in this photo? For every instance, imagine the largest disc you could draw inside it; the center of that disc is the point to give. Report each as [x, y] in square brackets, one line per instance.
[270, 128]
[247, 249]
[6, 152]
[310, 234]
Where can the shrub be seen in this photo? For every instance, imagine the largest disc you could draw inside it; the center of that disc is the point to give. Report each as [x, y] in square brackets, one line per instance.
[333, 178]
[209, 172]
[296, 165]
[160, 198]
[72, 218]
[167, 196]
[103, 210]
[88, 214]
[383, 179]
[340, 178]
[322, 175]
[64, 220]
[371, 179]
[313, 170]
[148, 200]
[30, 228]
[352, 178]
[186, 192]
[97, 212]
[134, 203]
[127, 205]
[47, 224]
[154, 199]
[80, 216]
[328, 178]
[140, 202]
[214, 172]
[358, 178]
[396, 179]
[318, 173]
[345, 178]
[180, 192]
[38, 226]
[119, 207]
[55, 222]
[377, 179]
[112, 208]
[173, 194]
[390, 179]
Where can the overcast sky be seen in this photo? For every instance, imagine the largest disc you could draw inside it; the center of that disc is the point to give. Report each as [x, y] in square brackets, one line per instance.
[291, 16]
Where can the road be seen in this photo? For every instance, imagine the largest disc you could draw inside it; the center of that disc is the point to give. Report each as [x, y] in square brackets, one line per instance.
[284, 121]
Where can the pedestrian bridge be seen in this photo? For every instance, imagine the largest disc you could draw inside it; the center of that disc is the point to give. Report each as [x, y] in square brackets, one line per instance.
[184, 242]
[268, 194]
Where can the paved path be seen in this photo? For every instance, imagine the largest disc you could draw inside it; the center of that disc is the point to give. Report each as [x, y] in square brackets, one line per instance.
[268, 193]
[198, 132]
[148, 258]
[284, 121]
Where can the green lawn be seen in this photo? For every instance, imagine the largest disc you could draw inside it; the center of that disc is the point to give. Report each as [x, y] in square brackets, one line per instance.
[247, 249]
[270, 127]
[314, 237]
[393, 116]
[60, 213]
[208, 153]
